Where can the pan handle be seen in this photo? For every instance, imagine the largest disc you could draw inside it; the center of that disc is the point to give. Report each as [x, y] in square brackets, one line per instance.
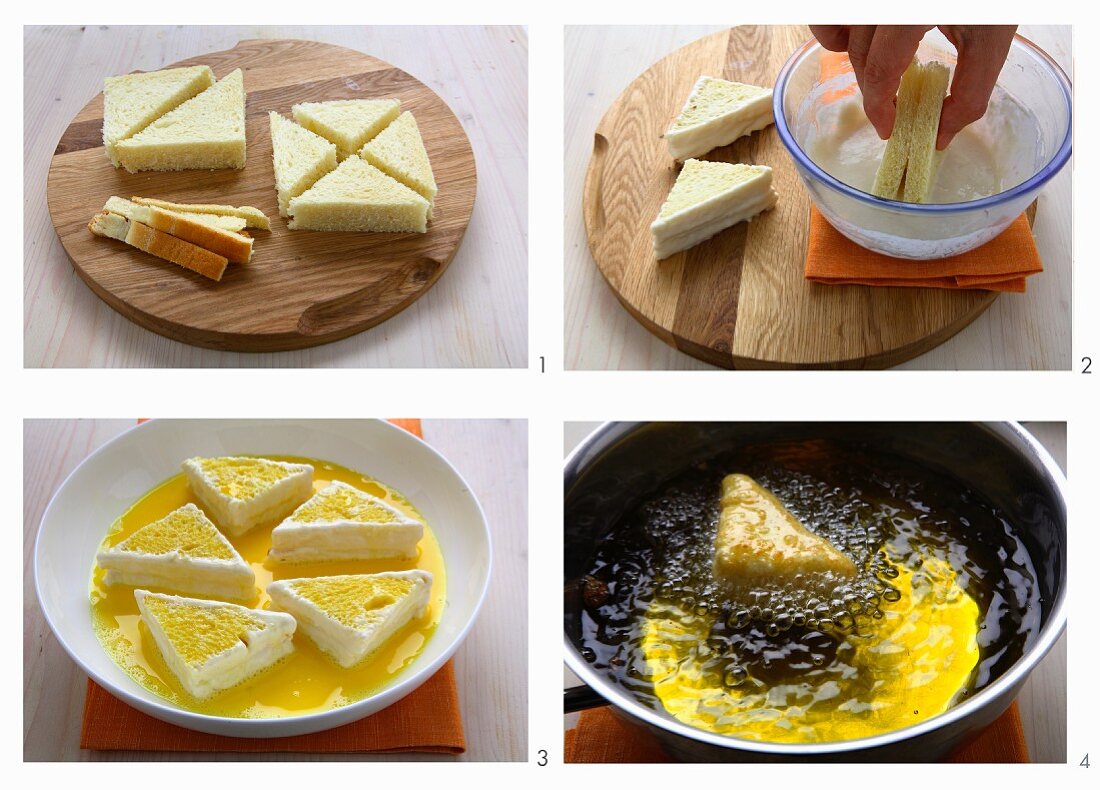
[582, 697]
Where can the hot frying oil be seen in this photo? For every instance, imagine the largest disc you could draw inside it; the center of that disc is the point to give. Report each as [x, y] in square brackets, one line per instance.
[946, 599]
[304, 682]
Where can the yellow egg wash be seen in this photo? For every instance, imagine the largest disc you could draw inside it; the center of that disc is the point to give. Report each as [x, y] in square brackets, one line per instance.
[902, 668]
[306, 681]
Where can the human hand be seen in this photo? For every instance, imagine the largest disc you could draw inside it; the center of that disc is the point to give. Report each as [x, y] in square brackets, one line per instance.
[880, 54]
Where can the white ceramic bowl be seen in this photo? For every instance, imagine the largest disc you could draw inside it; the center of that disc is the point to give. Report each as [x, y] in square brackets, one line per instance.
[114, 476]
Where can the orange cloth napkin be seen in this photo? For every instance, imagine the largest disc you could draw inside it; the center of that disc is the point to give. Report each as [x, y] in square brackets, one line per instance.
[999, 265]
[600, 737]
[427, 720]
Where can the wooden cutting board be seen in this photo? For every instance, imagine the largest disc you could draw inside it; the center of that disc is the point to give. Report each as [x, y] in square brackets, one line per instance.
[740, 299]
[302, 288]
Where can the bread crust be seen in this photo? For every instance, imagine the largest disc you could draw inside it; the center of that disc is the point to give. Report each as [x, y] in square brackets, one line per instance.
[180, 252]
[233, 246]
[253, 217]
[160, 244]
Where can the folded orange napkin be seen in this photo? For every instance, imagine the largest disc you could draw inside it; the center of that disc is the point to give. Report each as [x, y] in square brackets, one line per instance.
[427, 720]
[600, 737]
[999, 265]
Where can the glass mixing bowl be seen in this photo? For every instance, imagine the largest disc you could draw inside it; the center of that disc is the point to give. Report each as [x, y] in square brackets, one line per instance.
[1027, 129]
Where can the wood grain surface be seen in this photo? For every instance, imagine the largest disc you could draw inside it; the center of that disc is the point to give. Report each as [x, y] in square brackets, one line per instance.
[301, 288]
[490, 666]
[479, 306]
[1043, 696]
[740, 299]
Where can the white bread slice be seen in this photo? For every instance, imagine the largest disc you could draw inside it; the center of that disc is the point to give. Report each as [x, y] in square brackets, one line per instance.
[133, 101]
[234, 246]
[350, 617]
[707, 198]
[760, 542]
[398, 151]
[891, 170]
[716, 113]
[183, 552]
[253, 217]
[204, 133]
[210, 645]
[357, 196]
[300, 158]
[920, 173]
[159, 244]
[349, 123]
[242, 491]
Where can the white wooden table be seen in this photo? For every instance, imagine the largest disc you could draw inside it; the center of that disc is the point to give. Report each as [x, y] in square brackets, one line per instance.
[475, 316]
[1043, 697]
[490, 666]
[1020, 331]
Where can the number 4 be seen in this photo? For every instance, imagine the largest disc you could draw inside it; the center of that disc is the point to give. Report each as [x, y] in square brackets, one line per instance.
[1084, 761]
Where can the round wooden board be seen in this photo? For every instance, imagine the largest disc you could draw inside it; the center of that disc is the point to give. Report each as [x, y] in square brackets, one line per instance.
[302, 288]
[740, 300]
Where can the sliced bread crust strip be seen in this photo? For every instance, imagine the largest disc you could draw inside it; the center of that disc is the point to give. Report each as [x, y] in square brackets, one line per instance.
[155, 242]
[253, 217]
[234, 246]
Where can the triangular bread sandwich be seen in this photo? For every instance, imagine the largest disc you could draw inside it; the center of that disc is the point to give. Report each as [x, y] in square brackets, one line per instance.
[399, 152]
[300, 158]
[160, 244]
[211, 646]
[715, 114]
[206, 132]
[357, 196]
[707, 198]
[183, 552]
[340, 522]
[234, 246]
[133, 101]
[242, 492]
[761, 543]
[349, 123]
[908, 168]
[350, 617]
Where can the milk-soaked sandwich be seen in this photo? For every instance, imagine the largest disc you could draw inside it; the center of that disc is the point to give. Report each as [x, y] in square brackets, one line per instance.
[707, 198]
[242, 492]
[909, 163]
[715, 114]
[183, 552]
[211, 646]
[350, 617]
[340, 522]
